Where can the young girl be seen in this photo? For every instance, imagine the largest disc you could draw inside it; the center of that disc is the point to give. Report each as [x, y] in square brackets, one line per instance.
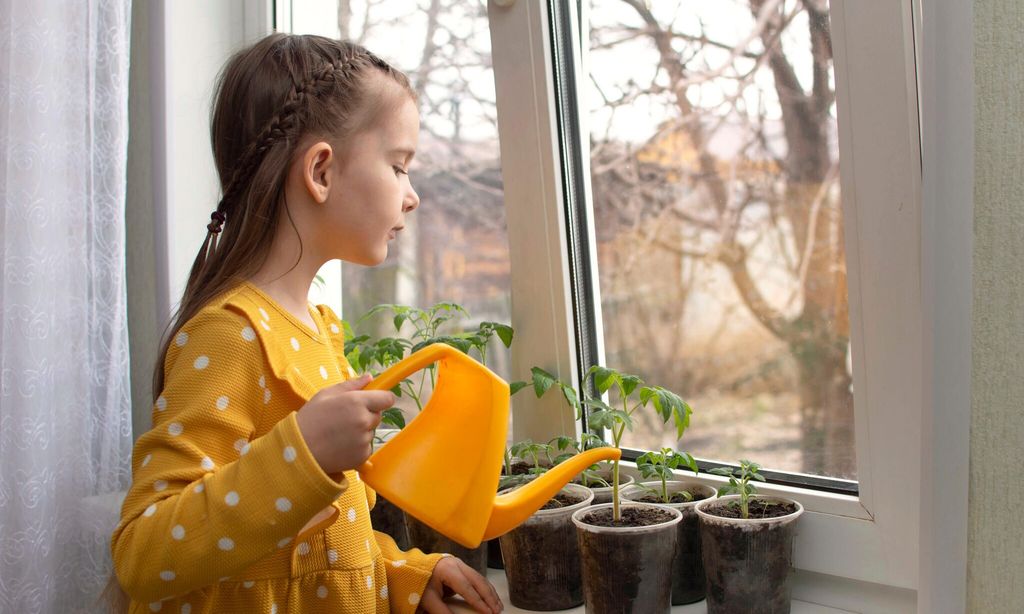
[244, 497]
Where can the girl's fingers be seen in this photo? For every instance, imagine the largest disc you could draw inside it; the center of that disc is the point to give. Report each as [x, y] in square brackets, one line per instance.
[486, 590]
[432, 604]
[466, 588]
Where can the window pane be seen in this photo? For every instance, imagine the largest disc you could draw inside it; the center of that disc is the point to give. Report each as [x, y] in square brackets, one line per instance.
[719, 231]
[455, 247]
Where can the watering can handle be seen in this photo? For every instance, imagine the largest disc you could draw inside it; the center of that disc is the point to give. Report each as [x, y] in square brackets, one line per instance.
[393, 375]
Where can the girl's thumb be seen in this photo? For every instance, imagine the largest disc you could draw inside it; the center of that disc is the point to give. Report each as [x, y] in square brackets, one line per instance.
[356, 383]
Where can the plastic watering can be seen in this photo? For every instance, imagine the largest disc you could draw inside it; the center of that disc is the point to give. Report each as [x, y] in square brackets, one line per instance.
[443, 467]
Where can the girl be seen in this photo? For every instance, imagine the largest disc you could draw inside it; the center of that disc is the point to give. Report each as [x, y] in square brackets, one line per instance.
[239, 502]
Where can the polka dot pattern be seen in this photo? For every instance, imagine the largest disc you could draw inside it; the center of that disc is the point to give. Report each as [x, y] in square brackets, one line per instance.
[303, 549]
[231, 498]
[178, 532]
[201, 362]
[321, 592]
[295, 344]
[222, 403]
[160, 485]
[175, 428]
[161, 403]
[283, 504]
[181, 339]
[167, 575]
[414, 598]
[248, 334]
[226, 544]
[206, 463]
[289, 454]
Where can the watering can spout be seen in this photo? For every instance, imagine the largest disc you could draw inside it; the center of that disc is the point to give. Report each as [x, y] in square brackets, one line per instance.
[511, 509]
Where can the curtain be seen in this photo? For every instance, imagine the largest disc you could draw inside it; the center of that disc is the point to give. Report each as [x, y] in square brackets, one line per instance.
[65, 418]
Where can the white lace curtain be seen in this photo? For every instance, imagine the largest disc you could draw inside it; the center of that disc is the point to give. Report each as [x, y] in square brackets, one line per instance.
[65, 419]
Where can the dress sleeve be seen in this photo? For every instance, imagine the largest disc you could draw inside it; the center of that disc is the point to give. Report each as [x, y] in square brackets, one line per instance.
[207, 500]
[408, 573]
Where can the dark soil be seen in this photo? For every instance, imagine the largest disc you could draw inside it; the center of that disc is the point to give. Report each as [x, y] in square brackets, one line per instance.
[542, 561]
[631, 517]
[523, 467]
[757, 509]
[676, 497]
[562, 499]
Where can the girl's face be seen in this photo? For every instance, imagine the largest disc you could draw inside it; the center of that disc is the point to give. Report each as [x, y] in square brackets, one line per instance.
[370, 193]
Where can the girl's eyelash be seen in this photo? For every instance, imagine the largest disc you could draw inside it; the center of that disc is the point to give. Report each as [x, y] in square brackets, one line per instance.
[399, 170]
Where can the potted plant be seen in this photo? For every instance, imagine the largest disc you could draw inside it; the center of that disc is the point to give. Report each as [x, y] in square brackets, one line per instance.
[598, 478]
[627, 548]
[683, 495]
[381, 353]
[747, 544]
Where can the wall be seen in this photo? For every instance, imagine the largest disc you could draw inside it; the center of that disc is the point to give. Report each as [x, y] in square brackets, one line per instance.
[996, 507]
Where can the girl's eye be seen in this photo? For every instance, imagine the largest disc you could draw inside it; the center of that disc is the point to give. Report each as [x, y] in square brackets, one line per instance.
[400, 171]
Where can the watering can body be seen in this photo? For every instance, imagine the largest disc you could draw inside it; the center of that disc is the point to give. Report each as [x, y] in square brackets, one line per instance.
[443, 467]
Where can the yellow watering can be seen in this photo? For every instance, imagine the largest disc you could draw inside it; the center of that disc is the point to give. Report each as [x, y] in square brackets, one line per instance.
[443, 468]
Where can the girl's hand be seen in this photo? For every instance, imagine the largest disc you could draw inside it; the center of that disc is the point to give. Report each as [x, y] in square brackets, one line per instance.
[338, 422]
[453, 576]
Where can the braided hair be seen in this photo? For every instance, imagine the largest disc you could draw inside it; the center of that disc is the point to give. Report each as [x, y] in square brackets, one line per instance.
[268, 97]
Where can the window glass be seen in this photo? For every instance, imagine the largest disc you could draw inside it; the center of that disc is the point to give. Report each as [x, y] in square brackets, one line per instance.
[714, 167]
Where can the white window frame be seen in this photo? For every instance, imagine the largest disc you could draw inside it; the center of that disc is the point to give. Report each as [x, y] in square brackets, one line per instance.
[870, 538]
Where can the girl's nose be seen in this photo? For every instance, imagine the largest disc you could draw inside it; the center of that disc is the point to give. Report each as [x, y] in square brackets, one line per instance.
[412, 200]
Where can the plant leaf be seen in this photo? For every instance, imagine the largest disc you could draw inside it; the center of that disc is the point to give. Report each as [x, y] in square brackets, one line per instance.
[393, 417]
[516, 386]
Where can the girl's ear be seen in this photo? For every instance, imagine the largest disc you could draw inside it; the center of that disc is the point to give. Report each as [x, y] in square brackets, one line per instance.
[317, 164]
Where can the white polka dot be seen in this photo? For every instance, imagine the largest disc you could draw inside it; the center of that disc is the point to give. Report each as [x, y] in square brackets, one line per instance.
[207, 463]
[323, 372]
[266, 395]
[262, 382]
[283, 504]
[186, 608]
[398, 563]
[303, 548]
[150, 510]
[369, 582]
[248, 334]
[199, 487]
[239, 444]
[414, 598]
[248, 584]
[263, 314]
[273, 608]
[155, 606]
[225, 543]
[295, 344]
[351, 515]
[160, 485]
[175, 429]
[332, 556]
[202, 362]
[167, 575]
[161, 403]
[264, 325]
[245, 449]
[181, 339]
[321, 592]
[284, 542]
[289, 453]
[231, 498]
[146, 460]
[222, 403]
[178, 532]
[334, 329]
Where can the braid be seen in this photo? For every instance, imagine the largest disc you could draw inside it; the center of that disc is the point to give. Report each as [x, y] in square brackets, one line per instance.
[283, 124]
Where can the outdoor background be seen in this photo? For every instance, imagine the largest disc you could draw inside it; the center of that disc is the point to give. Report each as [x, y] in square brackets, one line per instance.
[716, 206]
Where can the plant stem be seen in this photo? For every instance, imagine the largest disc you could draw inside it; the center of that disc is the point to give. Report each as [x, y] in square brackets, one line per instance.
[664, 488]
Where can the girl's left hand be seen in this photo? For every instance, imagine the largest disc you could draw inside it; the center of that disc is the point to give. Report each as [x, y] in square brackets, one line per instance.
[453, 576]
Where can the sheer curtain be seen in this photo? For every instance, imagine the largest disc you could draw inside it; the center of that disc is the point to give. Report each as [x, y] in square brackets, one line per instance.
[65, 419]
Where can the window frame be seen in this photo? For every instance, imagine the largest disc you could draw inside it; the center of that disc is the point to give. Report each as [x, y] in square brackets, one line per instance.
[876, 531]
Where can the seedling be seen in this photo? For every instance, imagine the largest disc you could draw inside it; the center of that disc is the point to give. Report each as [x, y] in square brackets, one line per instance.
[660, 465]
[632, 394]
[739, 483]
[569, 447]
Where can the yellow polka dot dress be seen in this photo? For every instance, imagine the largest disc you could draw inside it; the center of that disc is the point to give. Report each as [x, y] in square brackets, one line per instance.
[223, 484]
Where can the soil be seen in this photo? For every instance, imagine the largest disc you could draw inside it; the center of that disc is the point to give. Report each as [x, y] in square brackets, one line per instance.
[677, 497]
[630, 517]
[562, 499]
[756, 508]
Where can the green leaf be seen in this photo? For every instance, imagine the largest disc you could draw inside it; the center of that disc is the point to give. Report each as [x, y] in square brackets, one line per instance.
[604, 378]
[570, 397]
[516, 386]
[629, 384]
[505, 333]
[393, 417]
[542, 381]
[723, 471]
[563, 442]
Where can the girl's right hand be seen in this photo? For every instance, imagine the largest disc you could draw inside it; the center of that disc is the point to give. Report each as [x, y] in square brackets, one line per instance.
[338, 423]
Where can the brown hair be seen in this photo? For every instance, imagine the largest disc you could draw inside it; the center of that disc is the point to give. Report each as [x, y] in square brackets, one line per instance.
[268, 97]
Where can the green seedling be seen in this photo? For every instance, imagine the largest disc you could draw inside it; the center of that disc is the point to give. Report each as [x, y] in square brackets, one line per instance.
[739, 483]
[569, 447]
[660, 465]
[632, 393]
[528, 450]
